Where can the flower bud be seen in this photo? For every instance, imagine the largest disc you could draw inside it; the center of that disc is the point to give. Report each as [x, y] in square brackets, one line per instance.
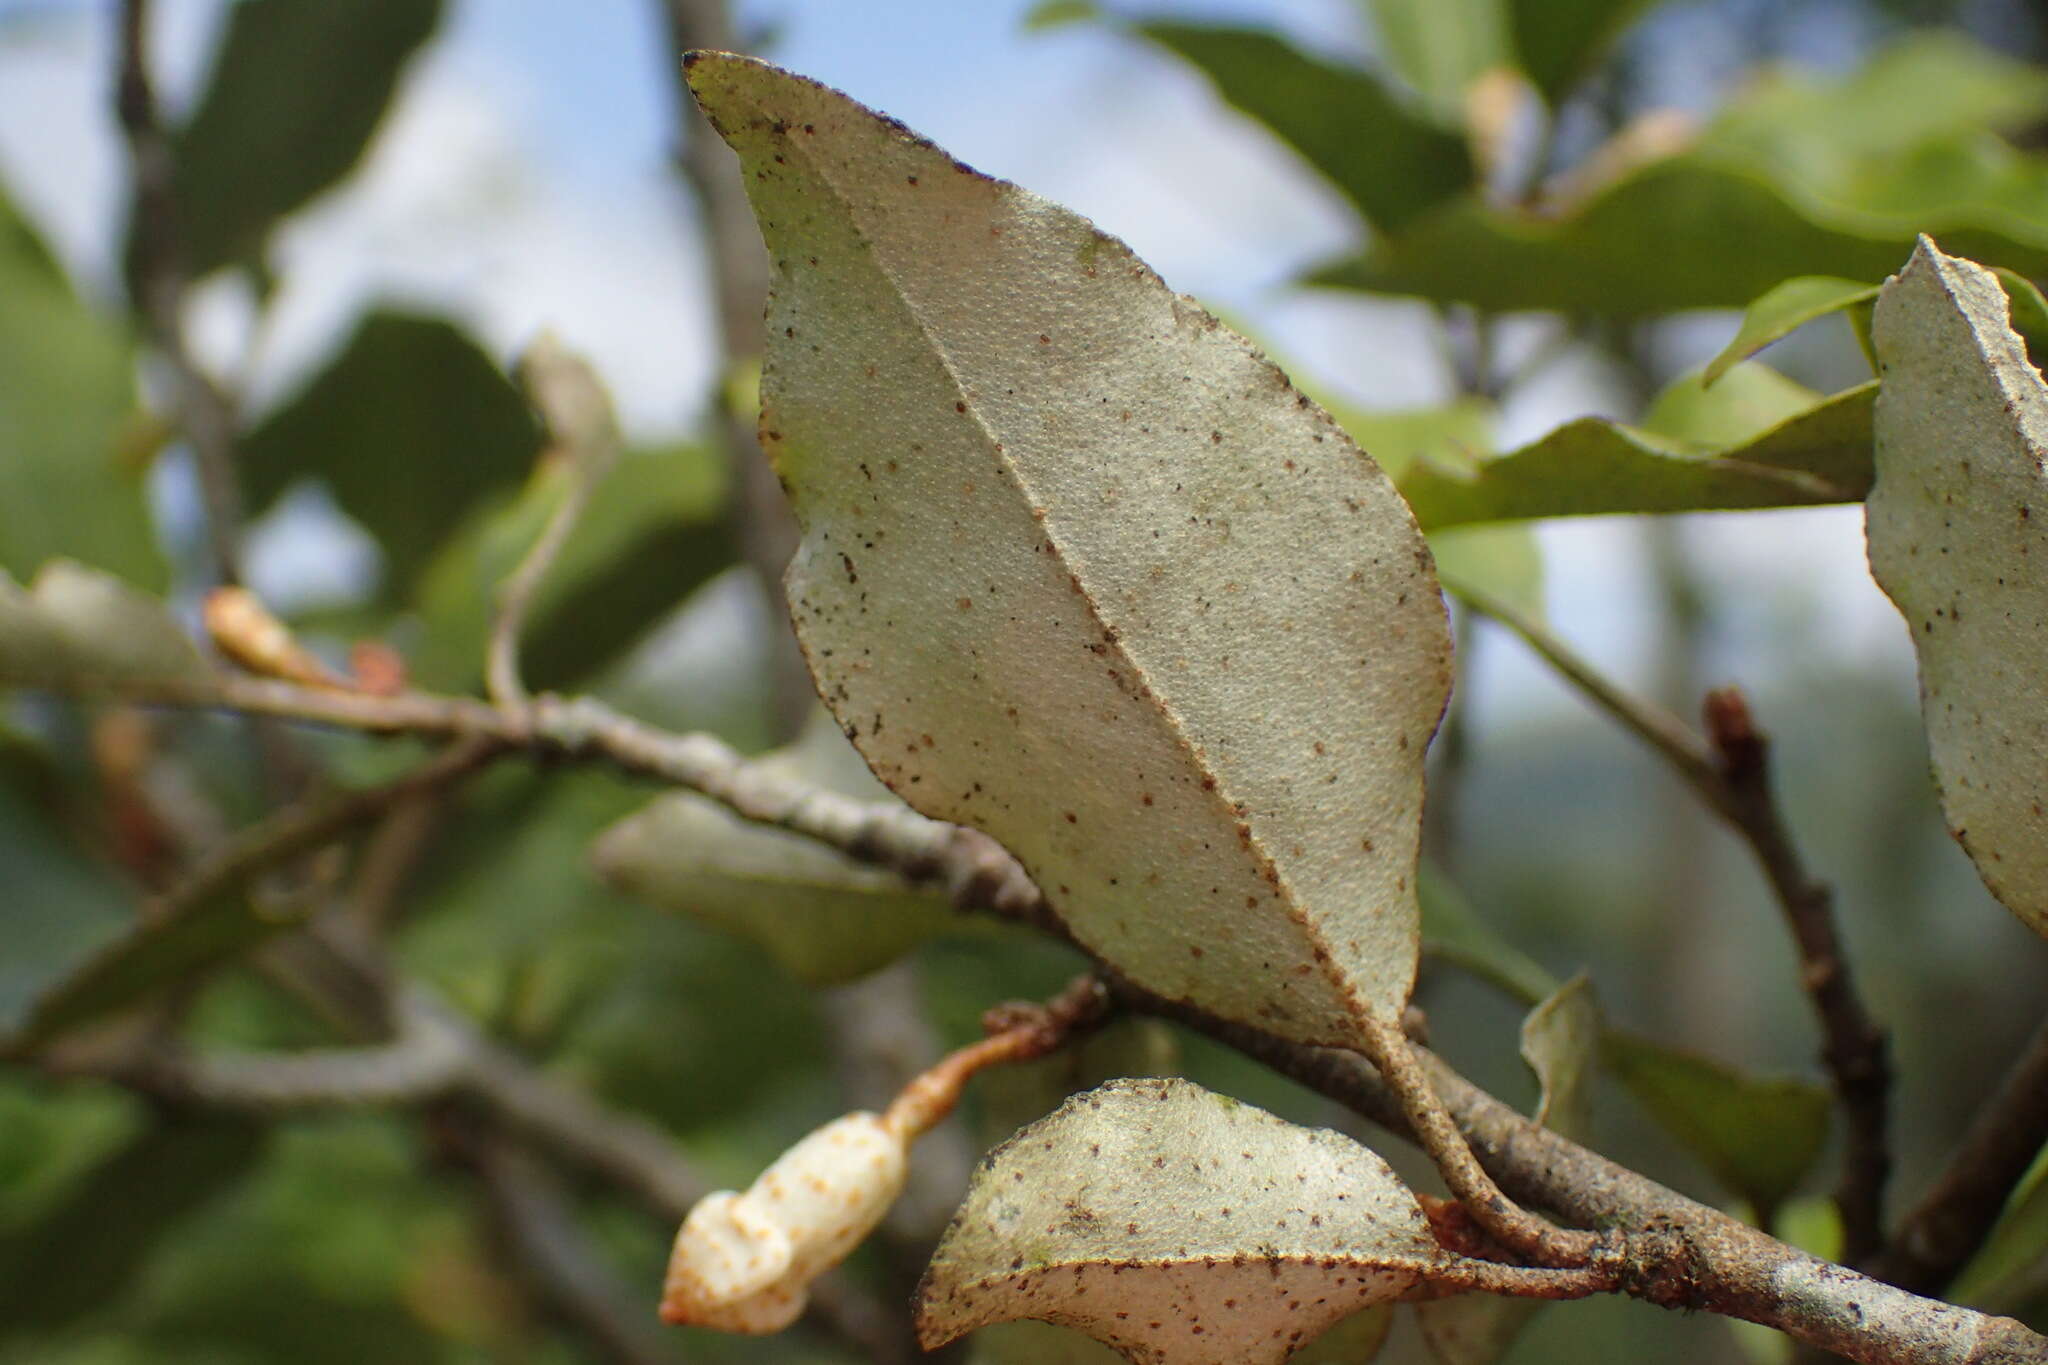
[745, 1262]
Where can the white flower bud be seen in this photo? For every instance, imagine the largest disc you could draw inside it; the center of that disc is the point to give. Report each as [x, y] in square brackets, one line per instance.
[745, 1262]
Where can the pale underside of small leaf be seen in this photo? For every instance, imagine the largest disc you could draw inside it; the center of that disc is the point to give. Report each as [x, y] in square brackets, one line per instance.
[1081, 569]
[79, 627]
[1958, 530]
[824, 916]
[1178, 1226]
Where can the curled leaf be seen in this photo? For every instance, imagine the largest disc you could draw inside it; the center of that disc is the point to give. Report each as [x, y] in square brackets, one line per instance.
[1958, 530]
[1176, 1225]
[1784, 310]
[1081, 569]
[1561, 1044]
[1594, 466]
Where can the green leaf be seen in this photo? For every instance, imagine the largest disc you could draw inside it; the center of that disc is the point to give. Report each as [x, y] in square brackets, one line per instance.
[1439, 47]
[1678, 233]
[86, 1254]
[209, 918]
[1959, 507]
[2029, 312]
[652, 533]
[318, 1258]
[1759, 1136]
[1783, 311]
[1594, 466]
[1561, 1044]
[1458, 431]
[68, 485]
[1501, 559]
[124, 968]
[61, 906]
[76, 629]
[67, 913]
[1797, 178]
[1825, 136]
[1354, 1340]
[1749, 401]
[1454, 931]
[2017, 1245]
[56, 1134]
[411, 426]
[1504, 560]
[1036, 1343]
[1136, 1210]
[1071, 545]
[823, 916]
[1560, 42]
[297, 91]
[1390, 160]
[1473, 1329]
[1059, 13]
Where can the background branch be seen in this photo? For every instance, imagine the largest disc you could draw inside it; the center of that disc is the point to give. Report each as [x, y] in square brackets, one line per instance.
[1696, 1258]
[436, 1056]
[737, 273]
[1681, 1254]
[1729, 769]
[1855, 1051]
[582, 728]
[537, 1230]
[583, 434]
[156, 272]
[306, 826]
[1937, 1238]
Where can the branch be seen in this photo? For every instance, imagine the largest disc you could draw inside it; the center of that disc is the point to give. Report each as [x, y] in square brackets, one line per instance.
[1676, 1253]
[738, 268]
[425, 1060]
[537, 1229]
[1730, 771]
[306, 826]
[624, 1149]
[156, 270]
[1435, 1130]
[882, 832]
[583, 433]
[434, 1055]
[438, 1055]
[1960, 1208]
[1656, 727]
[1855, 1050]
